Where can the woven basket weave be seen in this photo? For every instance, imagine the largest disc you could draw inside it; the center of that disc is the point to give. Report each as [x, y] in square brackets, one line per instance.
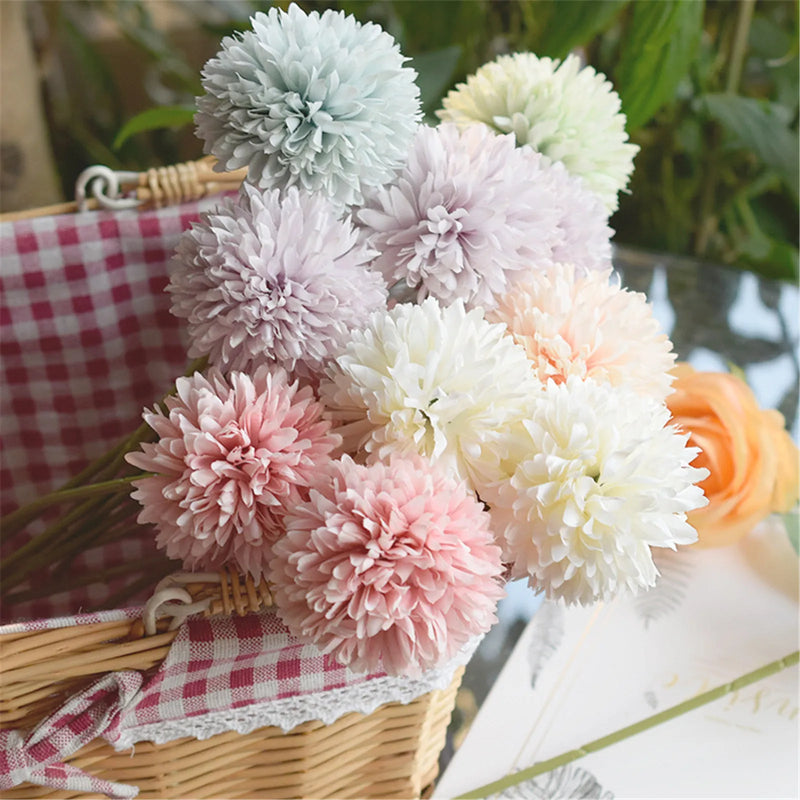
[390, 753]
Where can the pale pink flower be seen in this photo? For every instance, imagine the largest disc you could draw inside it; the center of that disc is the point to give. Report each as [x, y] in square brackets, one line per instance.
[389, 567]
[587, 325]
[232, 456]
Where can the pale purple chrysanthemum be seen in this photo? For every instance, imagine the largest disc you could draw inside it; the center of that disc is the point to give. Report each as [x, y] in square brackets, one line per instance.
[272, 279]
[388, 567]
[233, 455]
[470, 213]
[321, 102]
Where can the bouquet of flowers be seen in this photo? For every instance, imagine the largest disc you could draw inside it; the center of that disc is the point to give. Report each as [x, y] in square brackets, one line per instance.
[420, 376]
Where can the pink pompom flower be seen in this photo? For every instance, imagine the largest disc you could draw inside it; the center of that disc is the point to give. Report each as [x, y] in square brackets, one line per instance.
[389, 567]
[232, 456]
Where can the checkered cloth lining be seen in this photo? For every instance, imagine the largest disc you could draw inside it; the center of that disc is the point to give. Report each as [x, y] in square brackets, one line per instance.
[226, 664]
[242, 673]
[86, 341]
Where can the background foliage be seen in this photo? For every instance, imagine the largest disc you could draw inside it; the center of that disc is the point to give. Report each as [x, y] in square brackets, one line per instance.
[710, 89]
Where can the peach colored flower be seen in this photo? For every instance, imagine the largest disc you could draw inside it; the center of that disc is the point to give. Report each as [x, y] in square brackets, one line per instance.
[572, 322]
[751, 457]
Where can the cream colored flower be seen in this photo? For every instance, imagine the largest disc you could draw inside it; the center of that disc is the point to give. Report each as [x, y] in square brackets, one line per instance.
[441, 382]
[596, 478]
[567, 113]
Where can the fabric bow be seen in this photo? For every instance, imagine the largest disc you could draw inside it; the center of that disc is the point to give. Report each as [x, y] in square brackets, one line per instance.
[39, 756]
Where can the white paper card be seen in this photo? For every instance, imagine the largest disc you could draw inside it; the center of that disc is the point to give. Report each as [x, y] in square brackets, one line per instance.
[577, 674]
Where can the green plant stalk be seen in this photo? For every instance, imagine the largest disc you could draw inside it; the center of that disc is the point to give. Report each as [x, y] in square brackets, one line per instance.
[67, 536]
[709, 222]
[19, 518]
[631, 730]
[92, 531]
[106, 464]
[52, 535]
[739, 48]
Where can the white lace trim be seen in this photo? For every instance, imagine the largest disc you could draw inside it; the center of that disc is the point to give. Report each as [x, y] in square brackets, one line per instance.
[289, 712]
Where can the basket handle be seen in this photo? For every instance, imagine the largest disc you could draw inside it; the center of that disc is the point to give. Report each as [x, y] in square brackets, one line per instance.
[154, 188]
[157, 187]
[182, 594]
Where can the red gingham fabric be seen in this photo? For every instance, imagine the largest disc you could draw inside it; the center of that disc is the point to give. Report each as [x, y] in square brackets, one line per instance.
[225, 664]
[39, 756]
[86, 342]
[228, 673]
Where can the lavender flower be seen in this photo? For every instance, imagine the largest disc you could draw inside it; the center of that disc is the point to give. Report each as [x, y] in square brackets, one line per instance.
[271, 279]
[470, 213]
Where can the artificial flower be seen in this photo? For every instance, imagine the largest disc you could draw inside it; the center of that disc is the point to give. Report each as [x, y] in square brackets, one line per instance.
[389, 567]
[469, 213]
[595, 479]
[437, 381]
[566, 112]
[233, 455]
[587, 325]
[271, 279]
[752, 460]
[317, 101]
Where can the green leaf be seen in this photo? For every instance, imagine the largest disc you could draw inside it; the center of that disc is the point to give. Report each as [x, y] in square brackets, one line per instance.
[656, 52]
[760, 127]
[434, 72]
[574, 23]
[153, 119]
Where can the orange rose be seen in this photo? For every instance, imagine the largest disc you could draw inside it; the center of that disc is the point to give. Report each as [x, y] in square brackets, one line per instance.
[752, 459]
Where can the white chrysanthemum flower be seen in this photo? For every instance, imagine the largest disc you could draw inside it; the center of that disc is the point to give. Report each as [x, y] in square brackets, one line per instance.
[425, 379]
[318, 101]
[267, 279]
[470, 213]
[587, 325]
[569, 113]
[596, 478]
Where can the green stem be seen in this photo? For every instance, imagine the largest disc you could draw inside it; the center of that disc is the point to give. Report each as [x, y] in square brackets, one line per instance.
[107, 464]
[16, 520]
[66, 539]
[739, 48]
[631, 730]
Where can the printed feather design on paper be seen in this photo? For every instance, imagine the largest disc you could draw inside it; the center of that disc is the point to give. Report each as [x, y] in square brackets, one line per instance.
[547, 634]
[670, 590]
[567, 781]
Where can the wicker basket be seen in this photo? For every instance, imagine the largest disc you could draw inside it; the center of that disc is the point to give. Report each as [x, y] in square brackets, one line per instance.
[390, 753]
